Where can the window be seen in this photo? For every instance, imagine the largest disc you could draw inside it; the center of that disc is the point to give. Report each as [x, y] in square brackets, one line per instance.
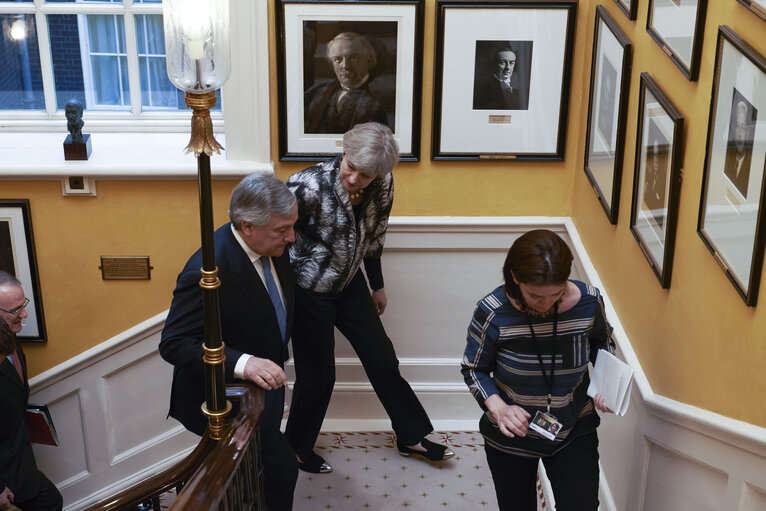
[109, 54]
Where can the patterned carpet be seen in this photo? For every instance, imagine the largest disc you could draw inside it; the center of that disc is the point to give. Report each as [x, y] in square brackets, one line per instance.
[369, 474]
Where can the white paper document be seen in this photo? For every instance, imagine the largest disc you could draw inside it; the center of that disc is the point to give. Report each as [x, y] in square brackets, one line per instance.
[612, 379]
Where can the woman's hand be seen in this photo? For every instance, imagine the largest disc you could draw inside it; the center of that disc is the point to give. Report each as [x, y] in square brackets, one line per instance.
[265, 373]
[513, 420]
[600, 403]
[6, 498]
[380, 300]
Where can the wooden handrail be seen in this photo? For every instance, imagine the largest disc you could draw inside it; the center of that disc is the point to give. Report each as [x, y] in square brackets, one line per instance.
[207, 470]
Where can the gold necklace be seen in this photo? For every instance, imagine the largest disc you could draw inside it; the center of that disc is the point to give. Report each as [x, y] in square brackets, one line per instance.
[536, 313]
[355, 195]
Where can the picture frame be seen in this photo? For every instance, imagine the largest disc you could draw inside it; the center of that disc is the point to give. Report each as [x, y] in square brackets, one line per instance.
[629, 7]
[677, 26]
[610, 71]
[322, 100]
[657, 178]
[18, 257]
[732, 219]
[758, 7]
[522, 116]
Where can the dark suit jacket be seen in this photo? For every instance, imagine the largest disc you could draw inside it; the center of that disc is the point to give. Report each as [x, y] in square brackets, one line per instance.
[18, 470]
[248, 323]
[322, 114]
[487, 95]
[730, 169]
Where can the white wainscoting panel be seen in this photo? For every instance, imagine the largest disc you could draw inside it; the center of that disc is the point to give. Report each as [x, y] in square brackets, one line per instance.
[110, 402]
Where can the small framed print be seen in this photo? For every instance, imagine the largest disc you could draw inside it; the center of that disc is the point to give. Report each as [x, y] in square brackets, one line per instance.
[348, 62]
[756, 6]
[677, 26]
[657, 178]
[605, 137]
[17, 258]
[732, 221]
[501, 80]
[629, 7]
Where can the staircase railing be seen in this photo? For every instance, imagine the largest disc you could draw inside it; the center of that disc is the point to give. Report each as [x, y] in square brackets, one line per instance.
[222, 475]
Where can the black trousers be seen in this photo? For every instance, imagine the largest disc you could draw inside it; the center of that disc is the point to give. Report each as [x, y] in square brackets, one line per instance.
[47, 498]
[279, 464]
[353, 312]
[573, 473]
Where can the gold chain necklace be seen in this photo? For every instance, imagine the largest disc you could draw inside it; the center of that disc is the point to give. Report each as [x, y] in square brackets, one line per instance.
[355, 195]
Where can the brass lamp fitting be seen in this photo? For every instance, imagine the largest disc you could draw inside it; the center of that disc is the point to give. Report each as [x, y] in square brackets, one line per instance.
[202, 139]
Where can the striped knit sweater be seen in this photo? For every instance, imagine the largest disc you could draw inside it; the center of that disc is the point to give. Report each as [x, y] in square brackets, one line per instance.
[500, 358]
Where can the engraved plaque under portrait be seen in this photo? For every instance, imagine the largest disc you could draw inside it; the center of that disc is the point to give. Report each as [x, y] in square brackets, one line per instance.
[125, 268]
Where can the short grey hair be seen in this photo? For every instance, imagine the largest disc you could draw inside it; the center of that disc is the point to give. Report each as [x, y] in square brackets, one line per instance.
[371, 147]
[257, 197]
[364, 46]
[8, 279]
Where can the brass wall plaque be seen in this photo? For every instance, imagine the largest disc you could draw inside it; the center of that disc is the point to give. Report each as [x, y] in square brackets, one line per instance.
[125, 268]
[499, 119]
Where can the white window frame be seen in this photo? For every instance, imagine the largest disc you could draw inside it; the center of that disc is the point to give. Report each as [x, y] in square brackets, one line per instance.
[129, 145]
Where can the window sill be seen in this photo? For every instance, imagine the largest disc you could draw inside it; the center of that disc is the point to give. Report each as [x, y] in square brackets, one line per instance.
[113, 156]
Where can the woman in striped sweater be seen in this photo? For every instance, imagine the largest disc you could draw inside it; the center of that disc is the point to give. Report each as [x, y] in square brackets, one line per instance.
[526, 363]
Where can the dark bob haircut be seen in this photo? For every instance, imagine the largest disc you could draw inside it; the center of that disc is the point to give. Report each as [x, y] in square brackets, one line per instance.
[537, 258]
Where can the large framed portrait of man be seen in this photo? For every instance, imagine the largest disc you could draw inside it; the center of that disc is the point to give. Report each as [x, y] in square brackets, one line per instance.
[18, 258]
[347, 63]
[657, 178]
[732, 221]
[501, 81]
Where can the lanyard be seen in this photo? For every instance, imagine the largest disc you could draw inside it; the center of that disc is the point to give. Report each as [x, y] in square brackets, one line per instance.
[548, 383]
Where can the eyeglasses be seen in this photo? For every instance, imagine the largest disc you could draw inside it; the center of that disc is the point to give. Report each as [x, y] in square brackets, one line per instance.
[17, 310]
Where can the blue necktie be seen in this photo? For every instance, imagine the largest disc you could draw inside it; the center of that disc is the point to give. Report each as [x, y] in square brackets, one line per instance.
[279, 308]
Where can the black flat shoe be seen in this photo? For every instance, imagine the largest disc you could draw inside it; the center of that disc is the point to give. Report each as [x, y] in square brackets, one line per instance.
[315, 464]
[433, 452]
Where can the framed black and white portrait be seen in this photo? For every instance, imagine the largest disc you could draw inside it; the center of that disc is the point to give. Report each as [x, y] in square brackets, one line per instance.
[756, 6]
[608, 103]
[629, 7]
[347, 63]
[657, 178]
[502, 75]
[731, 219]
[17, 257]
[677, 26]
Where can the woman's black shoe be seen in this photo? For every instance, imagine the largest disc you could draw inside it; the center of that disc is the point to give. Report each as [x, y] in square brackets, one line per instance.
[433, 452]
[315, 464]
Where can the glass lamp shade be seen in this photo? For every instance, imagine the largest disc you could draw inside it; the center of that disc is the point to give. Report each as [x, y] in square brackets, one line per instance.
[197, 43]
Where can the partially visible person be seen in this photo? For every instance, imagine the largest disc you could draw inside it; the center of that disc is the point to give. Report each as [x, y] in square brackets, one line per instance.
[526, 363]
[256, 314]
[339, 105]
[343, 209]
[495, 92]
[740, 153]
[24, 486]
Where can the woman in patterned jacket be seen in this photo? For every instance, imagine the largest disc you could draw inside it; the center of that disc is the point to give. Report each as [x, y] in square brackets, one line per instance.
[343, 209]
[526, 363]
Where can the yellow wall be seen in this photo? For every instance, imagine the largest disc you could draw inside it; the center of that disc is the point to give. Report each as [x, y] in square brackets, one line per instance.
[702, 351]
[698, 342]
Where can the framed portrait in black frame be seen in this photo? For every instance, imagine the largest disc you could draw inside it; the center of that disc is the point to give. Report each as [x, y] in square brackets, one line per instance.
[756, 6]
[732, 221]
[348, 62]
[17, 257]
[629, 7]
[657, 178]
[607, 107]
[677, 26]
[501, 79]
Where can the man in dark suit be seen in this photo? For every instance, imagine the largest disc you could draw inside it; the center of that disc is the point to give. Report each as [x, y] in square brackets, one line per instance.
[339, 105]
[739, 153]
[23, 485]
[256, 304]
[496, 92]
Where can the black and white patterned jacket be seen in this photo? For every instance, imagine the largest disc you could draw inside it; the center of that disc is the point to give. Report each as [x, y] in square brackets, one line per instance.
[328, 248]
